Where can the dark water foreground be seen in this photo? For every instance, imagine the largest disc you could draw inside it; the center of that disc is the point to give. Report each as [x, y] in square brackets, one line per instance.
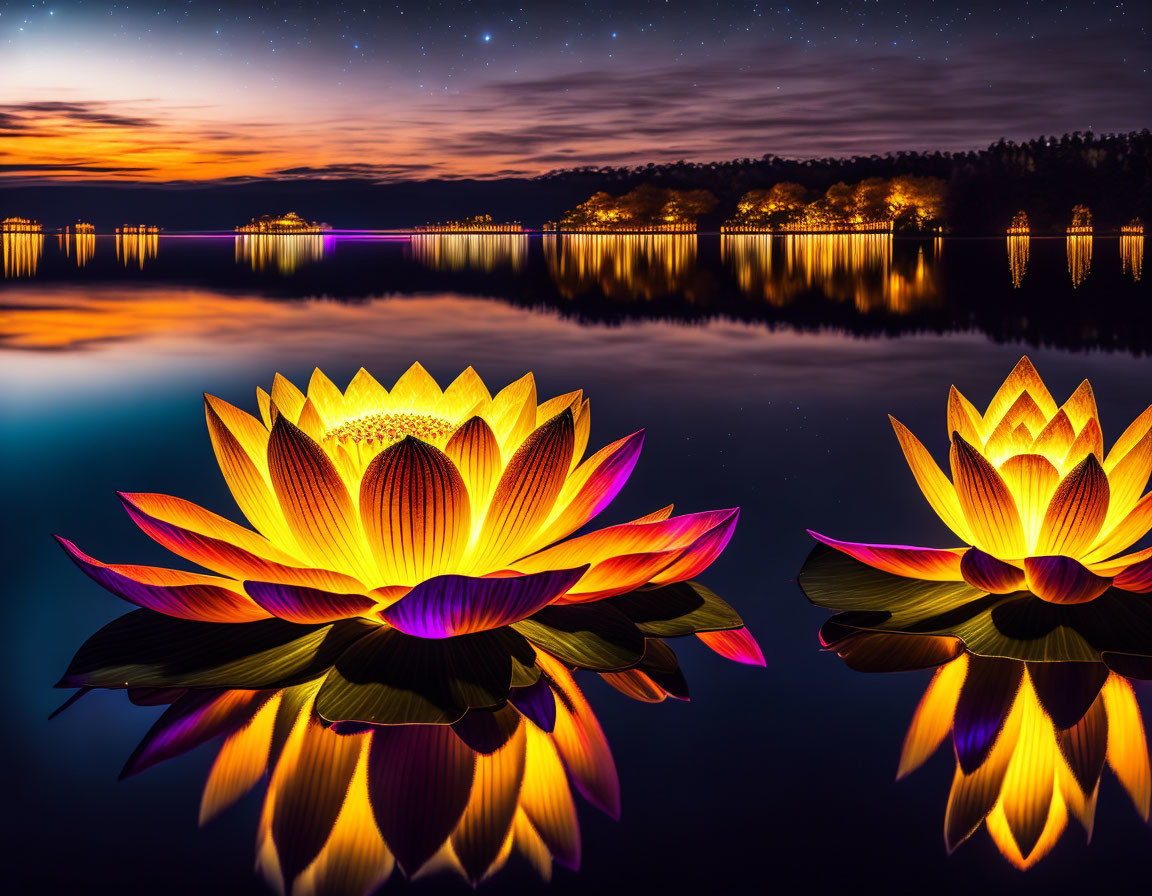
[744, 366]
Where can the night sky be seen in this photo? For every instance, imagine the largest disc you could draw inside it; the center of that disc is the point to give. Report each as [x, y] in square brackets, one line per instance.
[202, 91]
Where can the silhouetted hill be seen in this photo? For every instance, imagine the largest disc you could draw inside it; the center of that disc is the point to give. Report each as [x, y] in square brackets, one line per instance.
[1111, 174]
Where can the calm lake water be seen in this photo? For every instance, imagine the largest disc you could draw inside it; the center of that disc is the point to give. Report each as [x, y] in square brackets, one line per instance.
[763, 370]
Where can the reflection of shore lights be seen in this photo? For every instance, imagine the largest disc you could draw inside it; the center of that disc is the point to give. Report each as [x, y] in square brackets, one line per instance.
[1079, 250]
[624, 266]
[1019, 248]
[22, 251]
[282, 252]
[137, 245]
[470, 251]
[1132, 255]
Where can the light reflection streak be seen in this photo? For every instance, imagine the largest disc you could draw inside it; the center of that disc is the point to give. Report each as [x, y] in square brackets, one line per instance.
[281, 252]
[1132, 255]
[1079, 249]
[22, 253]
[857, 268]
[80, 245]
[1019, 247]
[470, 251]
[622, 266]
[136, 247]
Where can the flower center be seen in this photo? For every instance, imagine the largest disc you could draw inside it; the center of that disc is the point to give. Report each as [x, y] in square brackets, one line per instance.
[387, 429]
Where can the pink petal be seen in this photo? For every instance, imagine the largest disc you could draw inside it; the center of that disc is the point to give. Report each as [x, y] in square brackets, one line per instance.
[902, 560]
[1062, 580]
[736, 644]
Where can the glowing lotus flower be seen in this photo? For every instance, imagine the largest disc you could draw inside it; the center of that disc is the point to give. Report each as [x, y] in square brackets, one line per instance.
[441, 515]
[1031, 744]
[1033, 496]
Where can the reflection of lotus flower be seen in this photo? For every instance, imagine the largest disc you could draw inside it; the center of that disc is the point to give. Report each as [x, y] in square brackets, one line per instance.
[439, 516]
[1034, 496]
[1031, 745]
[344, 808]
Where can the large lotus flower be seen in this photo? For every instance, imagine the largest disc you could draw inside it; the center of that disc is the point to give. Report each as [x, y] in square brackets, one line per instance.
[1033, 497]
[438, 522]
[1031, 741]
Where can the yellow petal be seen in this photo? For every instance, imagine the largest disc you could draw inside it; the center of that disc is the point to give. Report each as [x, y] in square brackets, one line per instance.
[1081, 406]
[933, 718]
[546, 798]
[240, 443]
[1022, 378]
[1088, 441]
[316, 503]
[241, 762]
[415, 391]
[987, 503]
[933, 483]
[463, 394]
[287, 397]
[964, 418]
[1055, 439]
[475, 452]
[1127, 746]
[554, 406]
[512, 414]
[365, 395]
[312, 422]
[414, 507]
[328, 399]
[526, 493]
[583, 428]
[1001, 833]
[1076, 511]
[1124, 534]
[1127, 480]
[1128, 439]
[264, 402]
[1026, 797]
[1031, 479]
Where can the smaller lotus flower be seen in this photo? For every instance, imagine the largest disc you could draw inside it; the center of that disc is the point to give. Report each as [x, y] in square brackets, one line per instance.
[1033, 497]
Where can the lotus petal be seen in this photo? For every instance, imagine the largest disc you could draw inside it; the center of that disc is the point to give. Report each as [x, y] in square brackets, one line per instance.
[901, 560]
[1032, 479]
[241, 762]
[1077, 511]
[512, 413]
[420, 779]
[1027, 793]
[1084, 746]
[1089, 441]
[683, 608]
[1066, 691]
[287, 398]
[415, 510]
[870, 651]
[182, 594]
[635, 684]
[985, 702]
[194, 719]
[487, 819]
[536, 702]
[964, 418]
[592, 486]
[316, 503]
[308, 789]
[734, 644]
[218, 544]
[364, 395]
[987, 503]
[1134, 434]
[700, 554]
[297, 603]
[580, 741]
[932, 720]
[1081, 406]
[416, 390]
[526, 493]
[485, 731]
[447, 606]
[985, 572]
[933, 483]
[464, 393]
[1023, 378]
[547, 800]
[1055, 439]
[973, 795]
[475, 452]
[1137, 577]
[1125, 533]
[1062, 580]
[1127, 746]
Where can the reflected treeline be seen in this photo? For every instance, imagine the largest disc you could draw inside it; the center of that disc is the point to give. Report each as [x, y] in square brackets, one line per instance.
[22, 253]
[1132, 255]
[282, 253]
[1019, 246]
[1079, 249]
[860, 269]
[134, 249]
[485, 252]
[621, 266]
[78, 246]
